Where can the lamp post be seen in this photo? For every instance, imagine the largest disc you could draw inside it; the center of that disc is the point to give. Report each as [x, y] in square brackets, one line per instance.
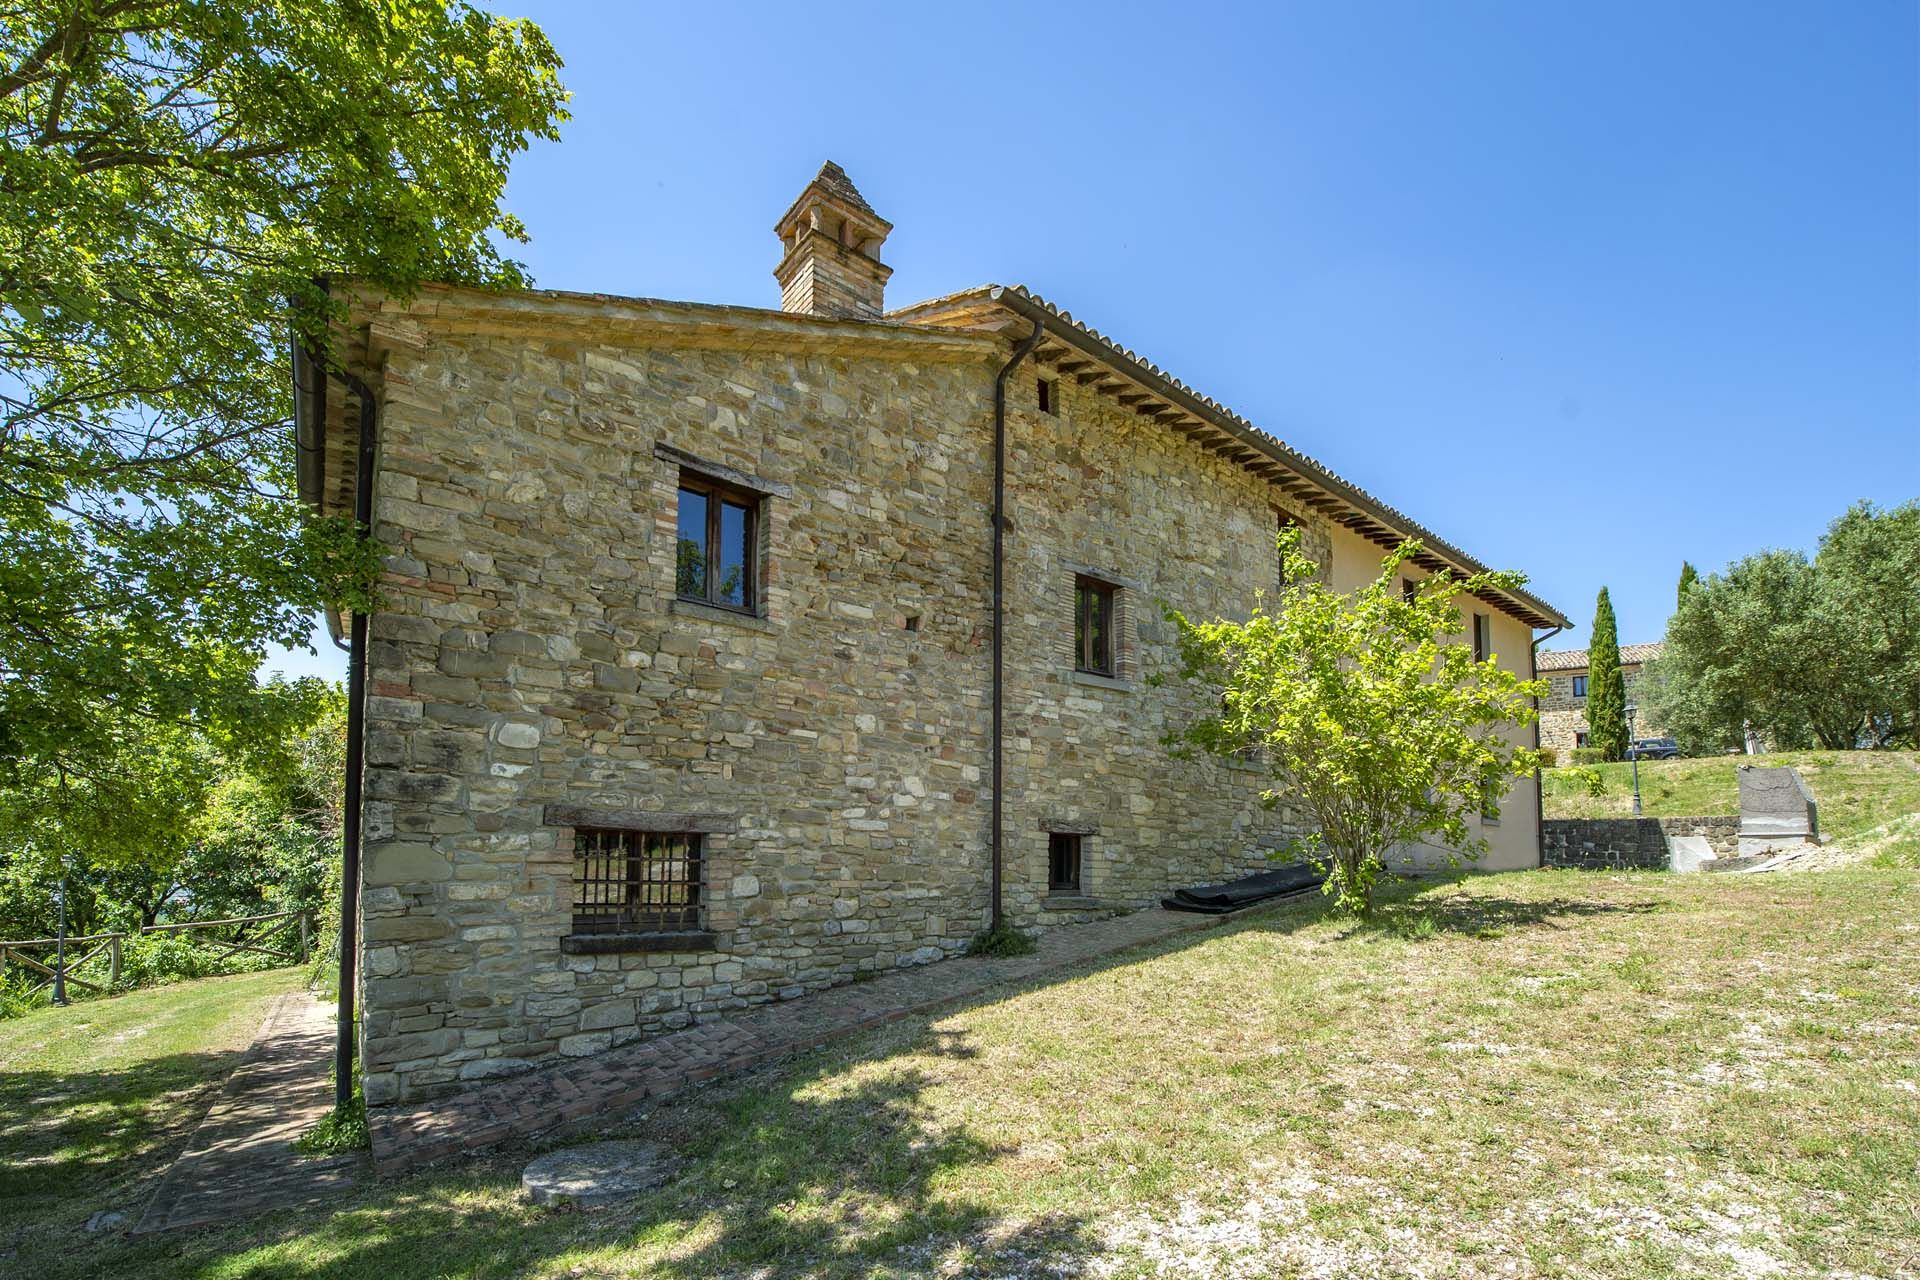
[1633, 755]
[60, 942]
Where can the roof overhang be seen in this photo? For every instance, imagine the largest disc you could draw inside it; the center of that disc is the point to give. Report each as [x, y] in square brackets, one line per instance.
[1091, 359]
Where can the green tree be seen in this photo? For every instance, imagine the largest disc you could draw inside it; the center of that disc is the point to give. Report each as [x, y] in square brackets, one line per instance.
[1869, 571]
[1606, 686]
[1688, 577]
[173, 174]
[1822, 651]
[1763, 644]
[218, 836]
[1368, 711]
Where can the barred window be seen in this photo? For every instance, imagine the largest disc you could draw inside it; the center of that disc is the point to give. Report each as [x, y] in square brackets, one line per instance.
[635, 881]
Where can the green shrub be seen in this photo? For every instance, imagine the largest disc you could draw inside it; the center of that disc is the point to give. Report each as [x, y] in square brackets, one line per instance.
[1001, 943]
[341, 1130]
[1589, 755]
[1549, 758]
[1591, 780]
[151, 959]
[14, 1000]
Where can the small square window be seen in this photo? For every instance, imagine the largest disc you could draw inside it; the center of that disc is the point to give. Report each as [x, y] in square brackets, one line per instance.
[715, 551]
[1580, 740]
[1579, 686]
[1409, 590]
[1063, 862]
[1093, 626]
[635, 881]
[1049, 396]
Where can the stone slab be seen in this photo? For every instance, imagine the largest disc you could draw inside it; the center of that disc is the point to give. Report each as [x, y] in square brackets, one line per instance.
[595, 1175]
[1688, 853]
[1775, 804]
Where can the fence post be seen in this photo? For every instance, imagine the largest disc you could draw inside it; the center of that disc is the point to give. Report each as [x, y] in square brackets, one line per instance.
[303, 937]
[113, 961]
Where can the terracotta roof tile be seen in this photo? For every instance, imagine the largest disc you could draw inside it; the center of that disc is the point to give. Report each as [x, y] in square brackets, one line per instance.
[1409, 528]
[1576, 659]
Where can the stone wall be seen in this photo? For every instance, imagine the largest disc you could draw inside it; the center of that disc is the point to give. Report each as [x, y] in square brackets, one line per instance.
[1620, 843]
[531, 663]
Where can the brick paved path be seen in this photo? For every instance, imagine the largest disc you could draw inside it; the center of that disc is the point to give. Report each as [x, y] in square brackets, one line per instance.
[241, 1158]
[568, 1097]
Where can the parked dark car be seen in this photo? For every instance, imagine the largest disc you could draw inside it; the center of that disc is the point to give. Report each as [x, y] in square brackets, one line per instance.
[1654, 749]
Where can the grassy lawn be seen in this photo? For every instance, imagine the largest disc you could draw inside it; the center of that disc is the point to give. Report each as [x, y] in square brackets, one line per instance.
[96, 1098]
[1858, 791]
[1556, 1074]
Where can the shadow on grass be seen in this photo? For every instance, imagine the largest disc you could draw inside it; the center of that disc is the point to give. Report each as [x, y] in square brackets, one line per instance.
[1432, 910]
[834, 1165]
[846, 1171]
[72, 1142]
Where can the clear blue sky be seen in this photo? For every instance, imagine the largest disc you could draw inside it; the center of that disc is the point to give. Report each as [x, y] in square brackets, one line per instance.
[1588, 289]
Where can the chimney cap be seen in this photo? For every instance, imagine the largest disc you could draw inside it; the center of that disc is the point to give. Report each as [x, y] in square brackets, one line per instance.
[833, 186]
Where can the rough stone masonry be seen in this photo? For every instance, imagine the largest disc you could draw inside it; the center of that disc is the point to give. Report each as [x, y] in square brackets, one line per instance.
[679, 688]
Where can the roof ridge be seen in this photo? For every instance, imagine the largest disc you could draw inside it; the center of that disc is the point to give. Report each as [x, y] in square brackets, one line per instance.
[994, 292]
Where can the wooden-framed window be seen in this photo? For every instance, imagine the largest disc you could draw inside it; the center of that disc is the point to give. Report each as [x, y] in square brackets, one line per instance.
[1482, 637]
[716, 548]
[1579, 686]
[1093, 625]
[635, 881]
[1581, 739]
[1049, 395]
[1063, 862]
[1409, 590]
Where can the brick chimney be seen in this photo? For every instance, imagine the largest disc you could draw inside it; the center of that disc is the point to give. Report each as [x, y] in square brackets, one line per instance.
[832, 263]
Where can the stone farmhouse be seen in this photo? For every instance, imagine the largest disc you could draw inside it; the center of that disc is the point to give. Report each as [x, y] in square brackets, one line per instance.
[686, 692]
[1563, 712]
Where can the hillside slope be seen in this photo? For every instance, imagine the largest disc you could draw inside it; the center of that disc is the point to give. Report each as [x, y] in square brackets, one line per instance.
[1858, 791]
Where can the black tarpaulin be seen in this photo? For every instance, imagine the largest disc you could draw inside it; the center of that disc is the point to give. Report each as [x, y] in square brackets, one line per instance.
[1216, 899]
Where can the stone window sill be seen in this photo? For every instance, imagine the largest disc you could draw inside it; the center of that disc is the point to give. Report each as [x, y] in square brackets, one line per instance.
[714, 613]
[1095, 680]
[606, 944]
[1070, 902]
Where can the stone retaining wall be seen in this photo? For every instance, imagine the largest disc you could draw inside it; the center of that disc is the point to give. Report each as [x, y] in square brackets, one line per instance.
[1617, 843]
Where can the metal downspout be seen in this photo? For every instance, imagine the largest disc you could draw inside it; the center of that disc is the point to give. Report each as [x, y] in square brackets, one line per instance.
[1539, 785]
[343, 1048]
[1020, 353]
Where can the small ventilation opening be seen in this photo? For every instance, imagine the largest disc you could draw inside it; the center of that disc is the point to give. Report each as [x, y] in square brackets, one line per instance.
[911, 622]
[1063, 862]
[1049, 397]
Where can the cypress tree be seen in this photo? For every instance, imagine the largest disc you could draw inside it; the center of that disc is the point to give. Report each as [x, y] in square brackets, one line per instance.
[1688, 576]
[1606, 687]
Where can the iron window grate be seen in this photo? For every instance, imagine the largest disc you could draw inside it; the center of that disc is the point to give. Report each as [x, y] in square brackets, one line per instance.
[635, 882]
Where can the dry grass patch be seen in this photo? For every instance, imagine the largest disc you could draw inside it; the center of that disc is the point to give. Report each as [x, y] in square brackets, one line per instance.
[1535, 1074]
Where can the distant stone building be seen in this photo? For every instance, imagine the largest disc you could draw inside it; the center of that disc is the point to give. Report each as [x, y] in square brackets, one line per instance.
[1563, 712]
[680, 696]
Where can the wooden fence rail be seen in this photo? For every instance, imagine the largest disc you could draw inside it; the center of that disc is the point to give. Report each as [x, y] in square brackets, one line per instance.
[289, 941]
[292, 932]
[12, 953]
